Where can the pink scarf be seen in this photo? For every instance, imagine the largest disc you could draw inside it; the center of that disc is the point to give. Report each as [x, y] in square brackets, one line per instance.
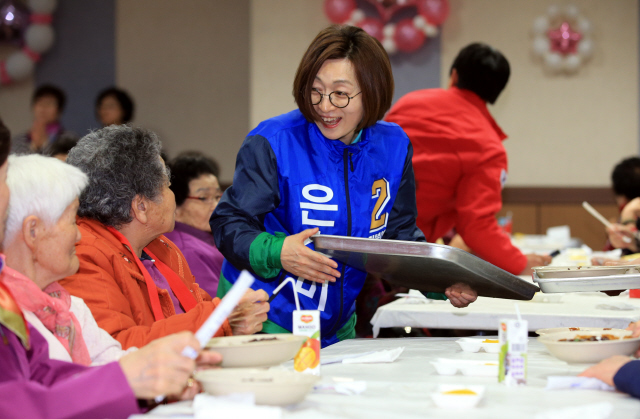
[51, 306]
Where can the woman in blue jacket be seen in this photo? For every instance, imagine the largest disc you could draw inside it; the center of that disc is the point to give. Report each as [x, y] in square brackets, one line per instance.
[331, 166]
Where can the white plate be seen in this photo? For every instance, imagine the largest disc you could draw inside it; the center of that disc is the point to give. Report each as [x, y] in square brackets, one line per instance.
[589, 352]
[239, 352]
[475, 344]
[273, 387]
[457, 401]
[541, 332]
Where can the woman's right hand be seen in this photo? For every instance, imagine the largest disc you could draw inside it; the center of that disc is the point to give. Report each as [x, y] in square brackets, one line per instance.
[299, 260]
[159, 368]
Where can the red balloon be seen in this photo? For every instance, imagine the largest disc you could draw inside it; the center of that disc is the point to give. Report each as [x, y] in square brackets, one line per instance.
[339, 11]
[373, 27]
[407, 37]
[435, 11]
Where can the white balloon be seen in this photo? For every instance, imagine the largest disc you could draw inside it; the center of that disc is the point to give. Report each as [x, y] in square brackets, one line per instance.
[357, 15]
[19, 66]
[585, 47]
[39, 38]
[388, 30]
[572, 63]
[540, 25]
[44, 7]
[571, 11]
[431, 30]
[540, 45]
[553, 11]
[553, 61]
[389, 45]
[419, 22]
[584, 25]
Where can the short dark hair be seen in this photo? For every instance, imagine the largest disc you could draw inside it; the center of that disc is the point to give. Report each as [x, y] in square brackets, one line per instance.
[187, 166]
[370, 62]
[483, 70]
[123, 98]
[5, 142]
[625, 178]
[50, 90]
[62, 145]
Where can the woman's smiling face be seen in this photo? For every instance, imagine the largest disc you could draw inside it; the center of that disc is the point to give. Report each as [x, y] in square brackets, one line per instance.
[338, 75]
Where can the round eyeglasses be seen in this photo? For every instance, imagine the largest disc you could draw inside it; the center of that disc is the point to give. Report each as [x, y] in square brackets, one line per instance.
[338, 99]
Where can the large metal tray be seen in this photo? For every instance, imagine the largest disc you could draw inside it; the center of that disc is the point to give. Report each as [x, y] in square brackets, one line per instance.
[549, 272]
[424, 266]
[588, 283]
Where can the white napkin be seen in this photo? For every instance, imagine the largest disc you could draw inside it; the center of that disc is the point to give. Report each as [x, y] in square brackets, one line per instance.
[555, 382]
[242, 405]
[616, 306]
[589, 411]
[389, 355]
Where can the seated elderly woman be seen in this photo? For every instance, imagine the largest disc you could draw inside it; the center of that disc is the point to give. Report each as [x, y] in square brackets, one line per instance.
[34, 386]
[39, 245]
[136, 282]
[194, 181]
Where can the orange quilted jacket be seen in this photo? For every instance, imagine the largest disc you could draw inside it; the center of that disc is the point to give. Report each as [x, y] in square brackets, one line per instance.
[111, 284]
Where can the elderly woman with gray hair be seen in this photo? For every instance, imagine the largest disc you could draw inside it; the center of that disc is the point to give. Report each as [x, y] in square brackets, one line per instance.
[39, 247]
[136, 282]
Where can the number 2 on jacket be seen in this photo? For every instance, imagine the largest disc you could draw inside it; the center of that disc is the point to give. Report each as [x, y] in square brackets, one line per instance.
[380, 190]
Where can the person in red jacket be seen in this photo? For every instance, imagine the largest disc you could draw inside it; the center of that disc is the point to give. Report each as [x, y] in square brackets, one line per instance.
[459, 161]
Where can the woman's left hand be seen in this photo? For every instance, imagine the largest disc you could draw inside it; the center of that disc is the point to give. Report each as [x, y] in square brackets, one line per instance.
[461, 295]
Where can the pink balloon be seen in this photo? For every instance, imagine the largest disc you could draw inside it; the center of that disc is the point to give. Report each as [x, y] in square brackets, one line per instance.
[435, 11]
[407, 37]
[373, 27]
[339, 11]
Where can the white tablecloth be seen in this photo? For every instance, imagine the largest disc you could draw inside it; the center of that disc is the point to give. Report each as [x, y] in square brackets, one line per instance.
[575, 309]
[401, 389]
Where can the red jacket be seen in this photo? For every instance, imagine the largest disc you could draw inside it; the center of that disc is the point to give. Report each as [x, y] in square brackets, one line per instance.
[460, 167]
[113, 287]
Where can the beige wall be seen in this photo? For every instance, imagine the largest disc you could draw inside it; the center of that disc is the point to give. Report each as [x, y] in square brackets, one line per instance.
[281, 31]
[15, 100]
[186, 63]
[563, 130]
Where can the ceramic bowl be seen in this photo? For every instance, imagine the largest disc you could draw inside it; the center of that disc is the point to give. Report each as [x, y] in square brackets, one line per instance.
[589, 352]
[271, 387]
[446, 366]
[256, 350]
[443, 399]
[541, 332]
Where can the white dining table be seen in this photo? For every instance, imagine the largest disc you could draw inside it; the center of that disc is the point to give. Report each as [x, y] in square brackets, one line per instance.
[593, 309]
[402, 389]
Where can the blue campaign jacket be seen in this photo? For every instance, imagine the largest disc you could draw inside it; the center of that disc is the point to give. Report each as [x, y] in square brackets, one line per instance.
[290, 178]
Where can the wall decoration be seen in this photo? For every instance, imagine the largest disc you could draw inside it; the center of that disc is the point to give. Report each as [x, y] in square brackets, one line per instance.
[29, 27]
[562, 39]
[406, 35]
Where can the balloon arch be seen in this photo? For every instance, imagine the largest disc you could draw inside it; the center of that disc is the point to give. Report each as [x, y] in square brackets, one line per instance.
[29, 27]
[406, 35]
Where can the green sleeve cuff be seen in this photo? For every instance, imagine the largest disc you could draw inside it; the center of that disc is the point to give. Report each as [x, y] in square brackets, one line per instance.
[264, 254]
[437, 296]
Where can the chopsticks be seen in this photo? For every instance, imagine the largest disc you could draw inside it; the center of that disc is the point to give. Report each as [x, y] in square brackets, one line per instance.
[603, 220]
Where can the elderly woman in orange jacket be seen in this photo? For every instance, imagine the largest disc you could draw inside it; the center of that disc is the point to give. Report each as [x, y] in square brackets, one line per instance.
[136, 282]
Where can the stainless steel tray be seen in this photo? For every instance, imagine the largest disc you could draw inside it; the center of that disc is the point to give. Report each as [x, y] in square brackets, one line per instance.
[424, 266]
[549, 272]
[592, 283]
